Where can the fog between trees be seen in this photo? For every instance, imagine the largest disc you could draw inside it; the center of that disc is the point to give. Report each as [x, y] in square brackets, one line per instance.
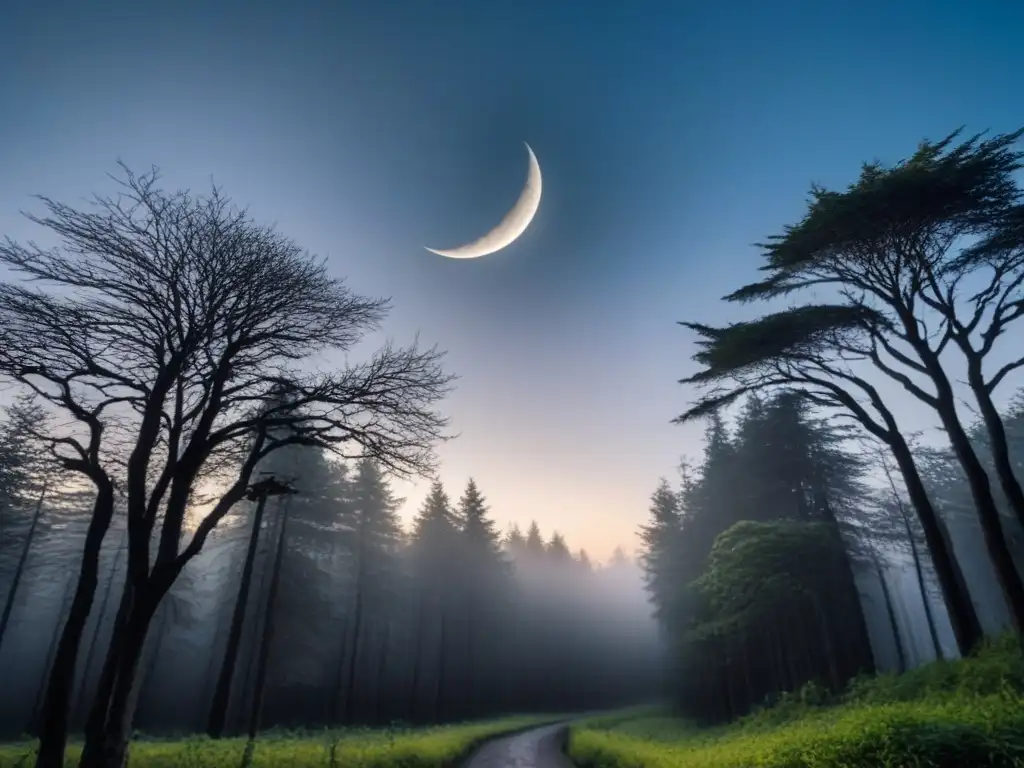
[372, 623]
[199, 532]
[166, 353]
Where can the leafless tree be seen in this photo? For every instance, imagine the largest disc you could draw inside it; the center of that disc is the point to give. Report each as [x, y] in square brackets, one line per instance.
[187, 343]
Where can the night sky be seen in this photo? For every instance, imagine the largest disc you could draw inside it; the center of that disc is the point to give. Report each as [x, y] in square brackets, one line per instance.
[671, 135]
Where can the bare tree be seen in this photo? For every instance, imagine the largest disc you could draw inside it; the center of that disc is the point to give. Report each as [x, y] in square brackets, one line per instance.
[181, 338]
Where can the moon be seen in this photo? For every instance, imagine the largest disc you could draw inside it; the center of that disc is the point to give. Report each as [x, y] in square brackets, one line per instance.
[509, 228]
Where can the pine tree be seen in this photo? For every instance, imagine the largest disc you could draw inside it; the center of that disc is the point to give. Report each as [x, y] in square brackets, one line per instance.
[535, 548]
[375, 539]
[435, 553]
[661, 551]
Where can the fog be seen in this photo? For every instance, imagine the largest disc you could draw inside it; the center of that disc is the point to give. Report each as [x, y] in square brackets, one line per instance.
[368, 624]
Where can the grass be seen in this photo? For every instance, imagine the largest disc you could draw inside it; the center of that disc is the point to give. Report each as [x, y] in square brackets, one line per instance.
[437, 747]
[957, 714]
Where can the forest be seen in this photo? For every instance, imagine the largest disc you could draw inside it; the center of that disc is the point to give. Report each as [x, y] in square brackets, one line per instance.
[200, 533]
[317, 608]
[837, 588]
[199, 529]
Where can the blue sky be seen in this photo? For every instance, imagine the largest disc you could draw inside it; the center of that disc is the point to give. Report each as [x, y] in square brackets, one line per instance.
[671, 137]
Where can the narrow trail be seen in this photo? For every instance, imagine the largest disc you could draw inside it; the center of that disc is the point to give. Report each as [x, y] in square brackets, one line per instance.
[537, 748]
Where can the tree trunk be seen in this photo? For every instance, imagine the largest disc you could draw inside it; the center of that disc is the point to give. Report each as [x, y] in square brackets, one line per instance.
[54, 727]
[439, 690]
[266, 641]
[417, 655]
[998, 444]
[991, 525]
[222, 694]
[929, 614]
[20, 568]
[963, 616]
[890, 610]
[379, 693]
[107, 747]
[97, 719]
[977, 479]
[357, 631]
[50, 651]
[83, 683]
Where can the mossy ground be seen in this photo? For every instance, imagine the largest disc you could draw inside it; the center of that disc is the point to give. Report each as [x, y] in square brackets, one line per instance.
[352, 748]
[958, 714]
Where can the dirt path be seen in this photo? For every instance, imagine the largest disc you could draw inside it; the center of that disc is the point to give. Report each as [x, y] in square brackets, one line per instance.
[538, 748]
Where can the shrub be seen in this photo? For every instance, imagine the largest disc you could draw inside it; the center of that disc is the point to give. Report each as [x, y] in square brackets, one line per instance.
[956, 714]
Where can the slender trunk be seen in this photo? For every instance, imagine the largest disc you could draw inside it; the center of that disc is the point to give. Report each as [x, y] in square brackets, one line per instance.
[20, 568]
[998, 443]
[991, 525]
[108, 747]
[379, 696]
[151, 658]
[963, 616]
[417, 655]
[249, 654]
[266, 641]
[54, 727]
[918, 569]
[334, 713]
[97, 719]
[222, 694]
[50, 651]
[922, 585]
[439, 690]
[859, 641]
[357, 631]
[90, 654]
[999, 552]
[209, 681]
[890, 610]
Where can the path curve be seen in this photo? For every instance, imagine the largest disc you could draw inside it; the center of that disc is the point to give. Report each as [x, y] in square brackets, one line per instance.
[536, 748]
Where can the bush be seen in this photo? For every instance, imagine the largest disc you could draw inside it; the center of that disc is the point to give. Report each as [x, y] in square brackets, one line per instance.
[962, 713]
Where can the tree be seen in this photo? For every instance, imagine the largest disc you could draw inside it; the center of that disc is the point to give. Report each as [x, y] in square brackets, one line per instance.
[434, 549]
[661, 549]
[374, 541]
[179, 325]
[896, 247]
[798, 349]
[558, 550]
[534, 541]
[483, 589]
[24, 471]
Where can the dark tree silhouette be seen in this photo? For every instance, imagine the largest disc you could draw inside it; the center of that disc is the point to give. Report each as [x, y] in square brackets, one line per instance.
[178, 325]
[893, 246]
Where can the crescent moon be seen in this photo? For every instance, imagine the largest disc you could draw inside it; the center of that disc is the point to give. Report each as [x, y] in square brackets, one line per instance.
[509, 228]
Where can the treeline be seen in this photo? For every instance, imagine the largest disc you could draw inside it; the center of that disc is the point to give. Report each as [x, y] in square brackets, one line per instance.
[316, 608]
[177, 348]
[774, 564]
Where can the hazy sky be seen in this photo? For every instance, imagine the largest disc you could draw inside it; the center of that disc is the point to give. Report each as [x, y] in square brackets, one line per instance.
[672, 135]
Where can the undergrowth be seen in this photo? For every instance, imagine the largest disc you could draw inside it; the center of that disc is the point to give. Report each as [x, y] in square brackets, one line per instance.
[438, 747]
[951, 714]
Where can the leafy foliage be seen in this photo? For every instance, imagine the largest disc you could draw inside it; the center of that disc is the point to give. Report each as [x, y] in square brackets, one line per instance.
[944, 715]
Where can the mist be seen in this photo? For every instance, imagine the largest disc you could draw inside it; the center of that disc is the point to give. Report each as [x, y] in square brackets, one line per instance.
[368, 623]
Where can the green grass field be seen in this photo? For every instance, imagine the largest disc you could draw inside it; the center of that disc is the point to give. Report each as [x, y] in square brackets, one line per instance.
[962, 714]
[411, 748]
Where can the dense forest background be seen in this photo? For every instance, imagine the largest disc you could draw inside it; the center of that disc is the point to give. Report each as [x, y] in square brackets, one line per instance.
[199, 531]
[360, 621]
[817, 539]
